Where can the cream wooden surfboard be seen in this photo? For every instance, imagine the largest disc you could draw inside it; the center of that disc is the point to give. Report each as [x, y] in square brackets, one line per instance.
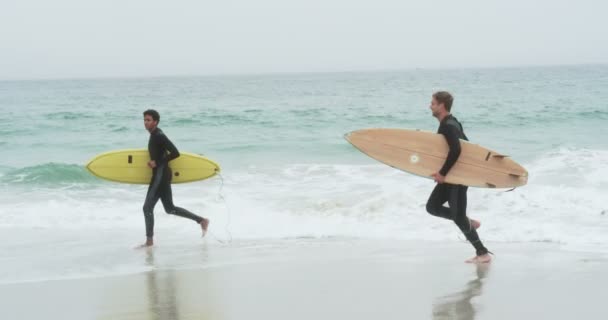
[423, 153]
[131, 166]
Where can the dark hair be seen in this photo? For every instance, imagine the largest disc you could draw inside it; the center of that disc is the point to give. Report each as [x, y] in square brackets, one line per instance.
[445, 98]
[152, 113]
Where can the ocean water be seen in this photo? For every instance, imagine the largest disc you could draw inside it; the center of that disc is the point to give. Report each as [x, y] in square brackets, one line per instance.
[287, 171]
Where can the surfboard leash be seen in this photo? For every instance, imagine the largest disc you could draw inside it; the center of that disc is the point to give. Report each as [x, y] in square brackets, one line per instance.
[229, 213]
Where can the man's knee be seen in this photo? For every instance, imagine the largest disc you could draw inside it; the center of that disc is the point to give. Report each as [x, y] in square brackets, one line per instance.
[169, 209]
[431, 208]
[168, 206]
[147, 210]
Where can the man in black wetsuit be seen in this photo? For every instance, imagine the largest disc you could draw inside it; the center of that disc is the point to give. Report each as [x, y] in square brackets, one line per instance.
[162, 151]
[454, 195]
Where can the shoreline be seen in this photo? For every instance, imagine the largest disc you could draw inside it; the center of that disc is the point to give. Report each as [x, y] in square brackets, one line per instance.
[328, 278]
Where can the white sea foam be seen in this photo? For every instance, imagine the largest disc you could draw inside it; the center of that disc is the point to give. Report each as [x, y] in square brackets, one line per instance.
[562, 203]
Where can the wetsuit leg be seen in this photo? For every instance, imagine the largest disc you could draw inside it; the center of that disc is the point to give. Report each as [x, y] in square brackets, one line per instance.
[456, 196]
[151, 199]
[458, 205]
[166, 197]
[439, 196]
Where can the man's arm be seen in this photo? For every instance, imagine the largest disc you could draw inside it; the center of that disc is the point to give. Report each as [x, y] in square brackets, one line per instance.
[451, 134]
[169, 146]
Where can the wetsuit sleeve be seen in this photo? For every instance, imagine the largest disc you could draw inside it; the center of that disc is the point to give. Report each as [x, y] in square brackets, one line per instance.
[169, 146]
[451, 135]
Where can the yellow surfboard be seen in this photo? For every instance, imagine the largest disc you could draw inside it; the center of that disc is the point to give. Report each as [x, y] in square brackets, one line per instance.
[423, 153]
[131, 166]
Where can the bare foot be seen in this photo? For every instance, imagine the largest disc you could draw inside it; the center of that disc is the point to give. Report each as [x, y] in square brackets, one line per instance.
[486, 258]
[204, 225]
[475, 224]
[149, 243]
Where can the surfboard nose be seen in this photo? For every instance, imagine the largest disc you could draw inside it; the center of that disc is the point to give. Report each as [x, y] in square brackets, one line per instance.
[353, 133]
[347, 135]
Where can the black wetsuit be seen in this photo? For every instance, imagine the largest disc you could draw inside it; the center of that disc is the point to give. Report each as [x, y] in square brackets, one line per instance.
[454, 195]
[162, 151]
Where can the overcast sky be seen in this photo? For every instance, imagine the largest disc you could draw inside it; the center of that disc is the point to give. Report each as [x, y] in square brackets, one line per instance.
[118, 38]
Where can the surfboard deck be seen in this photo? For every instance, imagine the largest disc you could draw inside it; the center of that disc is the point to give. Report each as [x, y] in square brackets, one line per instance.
[423, 153]
[131, 166]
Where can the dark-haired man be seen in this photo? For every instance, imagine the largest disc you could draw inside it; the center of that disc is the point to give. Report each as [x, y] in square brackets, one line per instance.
[162, 150]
